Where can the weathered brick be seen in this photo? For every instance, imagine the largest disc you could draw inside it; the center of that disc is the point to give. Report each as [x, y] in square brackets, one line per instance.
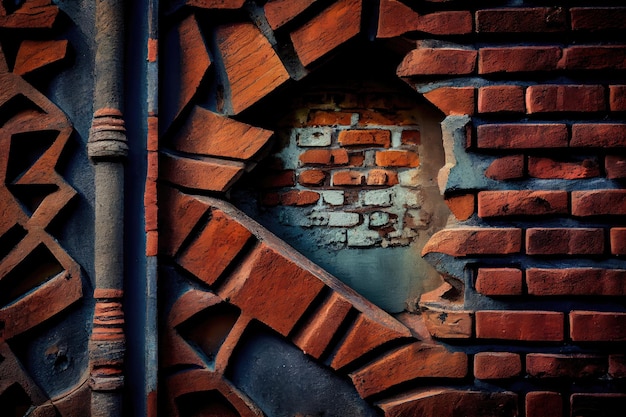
[596, 326]
[599, 202]
[365, 137]
[312, 177]
[598, 18]
[520, 325]
[522, 136]
[543, 365]
[334, 26]
[318, 331]
[501, 98]
[605, 135]
[299, 198]
[615, 167]
[499, 281]
[617, 366]
[448, 324]
[271, 288]
[253, 68]
[347, 178]
[397, 158]
[618, 240]
[411, 137]
[279, 12]
[597, 57]
[33, 55]
[438, 61]
[220, 241]
[324, 157]
[462, 206]
[521, 203]
[497, 365]
[381, 177]
[397, 18]
[367, 333]
[544, 404]
[428, 361]
[178, 214]
[444, 402]
[516, 20]
[209, 175]
[617, 97]
[598, 405]
[518, 59]
[468, 241]
[329, 118]
[506, 168]
[453, 100]
[576, 281]
[565, 98]
[549, 168]
[564, 241]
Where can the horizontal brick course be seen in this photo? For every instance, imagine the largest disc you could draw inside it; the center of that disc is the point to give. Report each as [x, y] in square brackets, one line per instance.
[397, 158]
[499, 281]
[564, 241]
[521, 203]
[506, 168]
[599, 202]
[365, 137]
[324, 157]
[618, 240]
[595, 326]
[604, 135]
[522, 136]
[596, 57]
[541, 365]
[517, 20]
[598, 18]
[565, 98]
[549, 168]
[438, 61]
[467, 241]
[576, 281]
[520, 325]
[518, 59]
[617, 97]
[615, 167]
[501, 98]
[544, 404]
[497, 365]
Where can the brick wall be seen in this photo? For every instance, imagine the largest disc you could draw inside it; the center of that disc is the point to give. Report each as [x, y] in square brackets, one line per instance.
[529, 318]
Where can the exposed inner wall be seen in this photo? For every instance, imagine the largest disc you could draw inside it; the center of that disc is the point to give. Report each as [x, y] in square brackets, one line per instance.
[351, 181]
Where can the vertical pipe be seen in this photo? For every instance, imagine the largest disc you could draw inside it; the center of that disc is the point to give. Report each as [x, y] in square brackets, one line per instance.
[108, 150]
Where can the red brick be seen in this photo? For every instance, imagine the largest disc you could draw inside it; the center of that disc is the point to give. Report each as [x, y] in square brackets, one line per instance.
[382, 177]
[216, 4]
[499, 281]
[356, 159]
[522, 136]
[497, 365]
[279, 179]
[396, 19]
[468, 241]
[315, 337]
[31, 15]
[564, 241]
[617, 366]
[33, 55]
[541, 365]
[312, 177]
[347, 178]
[576, 281]
[220, 240]
[520, 325]
[501, 98]
[427, 361]
[462, 206]
[448, 324]
[397, 158]
[521, 203]
[299, 198]
[329, 118]
[598, 57]
[272, 288]
[279, 12]
[598, 18]
[411, 137]
[565, 98]
[548, 168]
[324, 157]
[605, 135]
[595, 326]
[334, 26]
[209, 175]
[365, 137]
[178, 214]
[615, 167]
[453, 100]
[516, 20]
[599, 202]
[445, 402]
[544, 404]
[253, 68]
[382, 118]
[617, 97]
[518, 59]
[618, 240]
[438, 61]
[367, 333]
[506, 168]
[598, 405]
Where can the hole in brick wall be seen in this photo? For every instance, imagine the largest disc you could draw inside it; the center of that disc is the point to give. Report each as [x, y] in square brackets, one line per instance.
[14, 402]
[351, 179]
